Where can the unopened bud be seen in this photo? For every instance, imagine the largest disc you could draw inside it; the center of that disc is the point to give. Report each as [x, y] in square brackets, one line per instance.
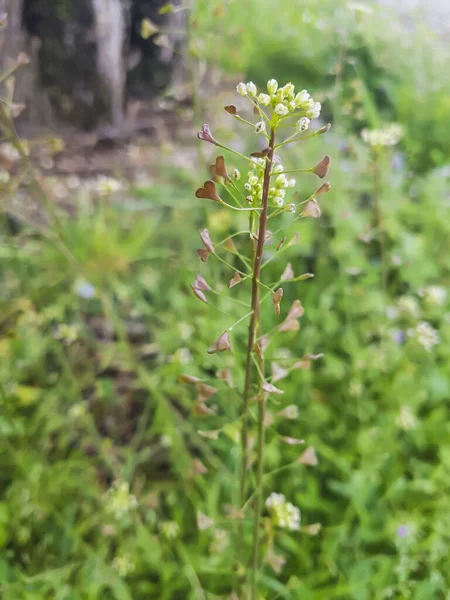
[323, 129]
[241, 89]
[272, 86]
[206, 239]
[206, 135]
[251, 89]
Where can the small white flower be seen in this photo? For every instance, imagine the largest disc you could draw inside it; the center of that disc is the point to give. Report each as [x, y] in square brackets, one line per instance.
[236, 174]
[284, 514]
[280, 193]
[291, 106]
[247, 186]
[260, 127]
[253, 179]
[241, 89]
[251, 89]
[292, 208]
[302, 124]
[281, 110]
[119, 500]
[434, 294]
[278, 168]
[279, 202]
[272, 86]
[281, 181]
[387, 136]
[264, 99]
[301, 98]
[123, 565]
[427, 336]
[408, 306]
[406, 419]
[291, 183]
[249, 199]
[314, 111]
[170, 530]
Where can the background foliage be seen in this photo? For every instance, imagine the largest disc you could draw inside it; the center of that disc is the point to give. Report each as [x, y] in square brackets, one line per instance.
[106, 480]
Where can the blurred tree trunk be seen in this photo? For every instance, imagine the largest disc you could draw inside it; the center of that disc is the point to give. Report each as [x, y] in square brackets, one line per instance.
[88, 57]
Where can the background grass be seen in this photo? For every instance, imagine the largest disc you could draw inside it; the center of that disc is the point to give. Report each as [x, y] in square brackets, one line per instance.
[98, 321]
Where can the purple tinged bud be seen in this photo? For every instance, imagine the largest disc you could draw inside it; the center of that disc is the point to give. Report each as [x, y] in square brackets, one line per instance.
[206, 135]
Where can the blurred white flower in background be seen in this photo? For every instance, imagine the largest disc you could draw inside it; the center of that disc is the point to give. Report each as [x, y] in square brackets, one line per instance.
[434, 294]
[426, 335]
[123, 564]
[119, 500]
[406, 419]
[387, 136]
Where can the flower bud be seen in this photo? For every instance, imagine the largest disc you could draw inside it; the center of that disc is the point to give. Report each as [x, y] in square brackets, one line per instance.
[236, 174]
[260, 127]
[302, 124]
[206, 239]
[264, 99]
[206, 135]
[251, 89]
[241, 89]
[281, 181]
[288, 90]
[272, 86]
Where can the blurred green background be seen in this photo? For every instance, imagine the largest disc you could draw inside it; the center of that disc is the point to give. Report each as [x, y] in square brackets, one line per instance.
[106, 478]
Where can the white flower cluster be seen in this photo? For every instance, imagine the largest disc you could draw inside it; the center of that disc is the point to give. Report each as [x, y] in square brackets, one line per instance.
[123, 565]
[284, 101]
[284, 514]
[406, 419]
[119, 500]
[408, 306]
[387, 136]
[434, 294]
[426, 335]
[277, 191]
[170, 530]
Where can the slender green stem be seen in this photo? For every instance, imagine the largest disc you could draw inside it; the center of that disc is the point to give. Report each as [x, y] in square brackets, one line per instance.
[255, 328]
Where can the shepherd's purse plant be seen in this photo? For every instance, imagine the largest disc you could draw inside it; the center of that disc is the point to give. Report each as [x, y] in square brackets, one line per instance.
[264, 195]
